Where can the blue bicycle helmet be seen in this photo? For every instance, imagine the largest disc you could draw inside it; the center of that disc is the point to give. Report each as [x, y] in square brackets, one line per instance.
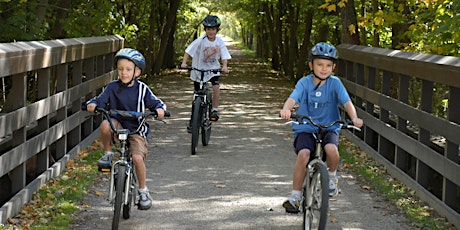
[132, 55]
[324, 51]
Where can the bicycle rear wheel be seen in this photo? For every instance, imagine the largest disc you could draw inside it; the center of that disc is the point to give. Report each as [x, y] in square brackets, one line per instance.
[119, 186]
[196, 123]
[206, 127]
[316, 199]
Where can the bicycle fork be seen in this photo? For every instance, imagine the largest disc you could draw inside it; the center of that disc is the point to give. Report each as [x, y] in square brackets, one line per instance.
[115, 172]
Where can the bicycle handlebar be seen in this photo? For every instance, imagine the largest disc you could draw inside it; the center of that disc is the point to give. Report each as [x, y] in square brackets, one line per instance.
[132, 114]
[299, 119]
[190, 68]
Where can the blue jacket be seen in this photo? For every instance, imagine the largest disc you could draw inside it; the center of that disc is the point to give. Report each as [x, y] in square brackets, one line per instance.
[135, 98]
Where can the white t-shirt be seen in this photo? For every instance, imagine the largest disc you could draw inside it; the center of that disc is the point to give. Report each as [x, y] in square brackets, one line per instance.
[206, 54]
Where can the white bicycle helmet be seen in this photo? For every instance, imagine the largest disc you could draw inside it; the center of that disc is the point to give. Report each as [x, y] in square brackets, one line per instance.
[132, 55]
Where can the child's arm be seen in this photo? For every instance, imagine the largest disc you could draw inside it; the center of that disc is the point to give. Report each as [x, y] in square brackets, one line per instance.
[351, 111]
[285, 113]
[184, 60]
[224, 66]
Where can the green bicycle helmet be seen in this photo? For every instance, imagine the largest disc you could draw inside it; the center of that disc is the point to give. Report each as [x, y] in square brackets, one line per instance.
[132, 55]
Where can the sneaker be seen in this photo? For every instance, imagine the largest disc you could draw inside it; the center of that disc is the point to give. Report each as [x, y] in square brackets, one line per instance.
[292, 205]
[333, 186]
[106, 160]
[145, 201]
[214, 116]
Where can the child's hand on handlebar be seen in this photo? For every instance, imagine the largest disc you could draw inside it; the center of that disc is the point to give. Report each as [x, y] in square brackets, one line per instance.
[160, 113]
[285, 114]
[91, 107]
[358, 122]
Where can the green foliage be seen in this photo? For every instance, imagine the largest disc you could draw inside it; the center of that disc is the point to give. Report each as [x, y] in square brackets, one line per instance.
[375, 178]
[53, 205]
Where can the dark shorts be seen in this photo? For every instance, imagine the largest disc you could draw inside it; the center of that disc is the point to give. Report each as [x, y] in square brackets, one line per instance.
[214, 81]
[307, 141]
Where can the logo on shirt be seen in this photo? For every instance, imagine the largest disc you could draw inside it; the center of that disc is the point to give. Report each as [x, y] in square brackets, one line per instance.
[210, 53]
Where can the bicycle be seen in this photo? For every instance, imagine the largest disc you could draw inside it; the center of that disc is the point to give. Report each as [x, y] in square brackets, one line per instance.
[122, 171]
[315, 188]
[201, 110]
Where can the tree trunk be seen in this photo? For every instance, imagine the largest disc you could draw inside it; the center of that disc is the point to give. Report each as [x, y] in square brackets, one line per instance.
[376, 37]
[269, 12]
[57, 31]
[306, 44]
[349, 23]
[165, 34]
[399, 40]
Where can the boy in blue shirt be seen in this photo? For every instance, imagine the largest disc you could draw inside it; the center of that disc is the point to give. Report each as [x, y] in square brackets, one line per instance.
[129, 94]
[318, 96]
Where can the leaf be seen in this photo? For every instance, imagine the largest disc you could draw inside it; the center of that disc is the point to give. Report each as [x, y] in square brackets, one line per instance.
[324, 6]
[366, 187]
[378, 20]
[342, 3]
[99, 193]
[331, 8]
[352, 29]
[424, 213]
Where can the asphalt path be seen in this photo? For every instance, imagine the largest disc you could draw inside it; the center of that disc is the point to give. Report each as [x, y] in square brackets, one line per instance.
[239, 180]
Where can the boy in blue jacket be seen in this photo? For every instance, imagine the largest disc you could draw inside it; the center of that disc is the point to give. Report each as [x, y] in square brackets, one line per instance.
[129, 94]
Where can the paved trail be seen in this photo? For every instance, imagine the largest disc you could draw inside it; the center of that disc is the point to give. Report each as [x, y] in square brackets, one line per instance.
[241, 178]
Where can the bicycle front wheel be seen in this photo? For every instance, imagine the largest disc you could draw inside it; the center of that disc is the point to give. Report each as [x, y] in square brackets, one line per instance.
[120, 182]
[317, 199]
[132, 180]
[206, 127]
[196, 123]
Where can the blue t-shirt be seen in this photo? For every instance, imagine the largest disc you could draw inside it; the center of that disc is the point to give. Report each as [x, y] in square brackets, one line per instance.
[322, 104]
[135, 98]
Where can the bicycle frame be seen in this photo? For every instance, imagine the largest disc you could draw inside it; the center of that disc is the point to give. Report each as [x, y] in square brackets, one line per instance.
[315, 186]
[201, 108]
[125, 161]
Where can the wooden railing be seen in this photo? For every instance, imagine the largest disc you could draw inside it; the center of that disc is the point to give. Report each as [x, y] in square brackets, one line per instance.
[395, 93]
[43, 85]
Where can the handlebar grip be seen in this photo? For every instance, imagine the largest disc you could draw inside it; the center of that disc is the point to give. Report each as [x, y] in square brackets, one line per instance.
[167, 114]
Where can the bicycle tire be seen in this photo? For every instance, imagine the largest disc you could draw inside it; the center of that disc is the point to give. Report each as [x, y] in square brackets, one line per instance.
[127, 206]
[206, 127]
[196, 121]
[317, 204]
[121, 177]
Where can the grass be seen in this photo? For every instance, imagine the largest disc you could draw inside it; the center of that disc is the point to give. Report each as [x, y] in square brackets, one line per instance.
[376, 179]
[53, 206]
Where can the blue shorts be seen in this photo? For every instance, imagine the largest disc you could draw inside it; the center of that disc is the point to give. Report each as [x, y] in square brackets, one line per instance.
[307, 141]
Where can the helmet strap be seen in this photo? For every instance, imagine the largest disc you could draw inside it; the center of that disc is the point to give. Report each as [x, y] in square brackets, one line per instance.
[320, 80]
[124, 85]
